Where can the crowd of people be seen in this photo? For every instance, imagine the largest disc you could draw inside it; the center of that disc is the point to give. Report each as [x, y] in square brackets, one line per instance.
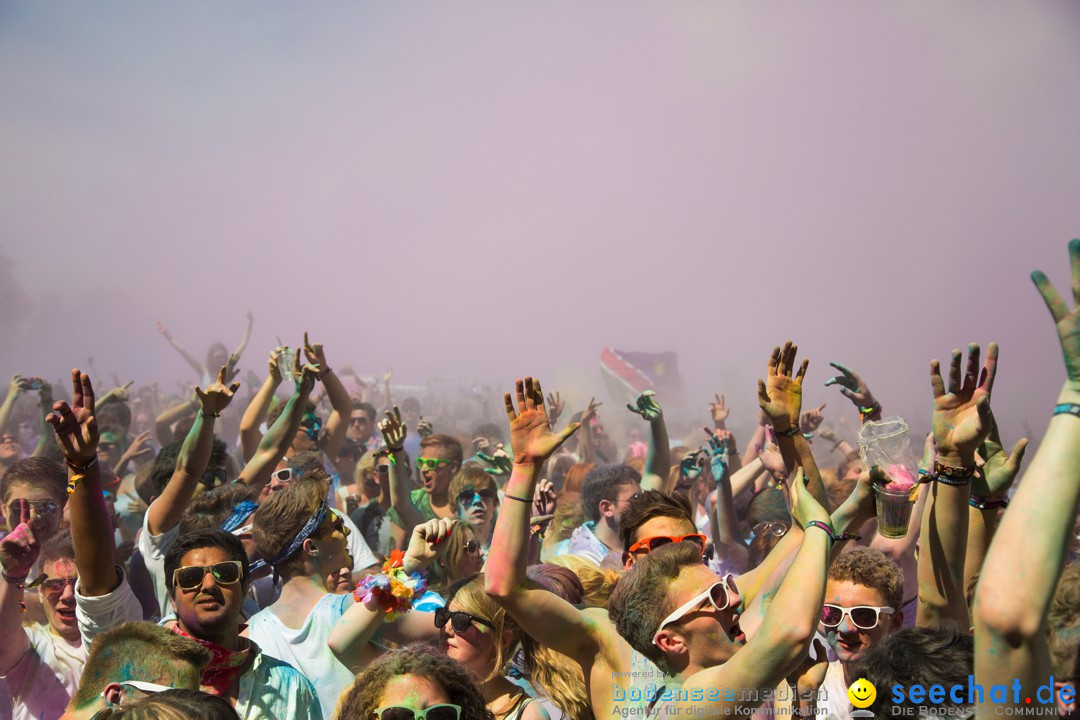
[321, 550]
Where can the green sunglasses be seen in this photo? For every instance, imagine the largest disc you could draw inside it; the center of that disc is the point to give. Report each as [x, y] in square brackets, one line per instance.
[430, 463]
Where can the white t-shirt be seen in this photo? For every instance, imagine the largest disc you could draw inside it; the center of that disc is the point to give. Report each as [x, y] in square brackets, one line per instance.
[153, 549]
[833, 702]
[307, 648]
[358, 547]
[43, 680]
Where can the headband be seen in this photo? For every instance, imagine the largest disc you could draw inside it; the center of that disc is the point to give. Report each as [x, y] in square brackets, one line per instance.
[238, 514]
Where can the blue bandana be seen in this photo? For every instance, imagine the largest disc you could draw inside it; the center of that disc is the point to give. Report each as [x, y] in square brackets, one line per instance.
[239, 514]
[305, 532]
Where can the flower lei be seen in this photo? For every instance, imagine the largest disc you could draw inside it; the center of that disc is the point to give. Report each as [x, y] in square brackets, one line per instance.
[393, 589]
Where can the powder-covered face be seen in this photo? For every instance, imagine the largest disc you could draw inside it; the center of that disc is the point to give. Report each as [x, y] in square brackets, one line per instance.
[413, 691]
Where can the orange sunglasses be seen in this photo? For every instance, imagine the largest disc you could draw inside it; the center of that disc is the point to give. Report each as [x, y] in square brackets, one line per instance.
[651, 543]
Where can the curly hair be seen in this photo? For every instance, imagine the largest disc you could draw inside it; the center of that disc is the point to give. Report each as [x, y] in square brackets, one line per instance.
[360, 701]
[1063, 624]
[869, 567]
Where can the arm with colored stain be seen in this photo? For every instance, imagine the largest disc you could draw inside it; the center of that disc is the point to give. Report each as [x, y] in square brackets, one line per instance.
[1025, 559]
[394, 433]
[657, 474]
[961, 423]
[165, 511]
[337, 425]
[257, 409]
[18, 552]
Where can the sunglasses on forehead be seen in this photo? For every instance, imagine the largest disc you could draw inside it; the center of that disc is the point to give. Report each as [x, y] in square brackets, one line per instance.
[651, 543]
[445, 711]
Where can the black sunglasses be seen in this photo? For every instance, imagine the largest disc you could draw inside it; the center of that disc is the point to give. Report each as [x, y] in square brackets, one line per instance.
[458, 620]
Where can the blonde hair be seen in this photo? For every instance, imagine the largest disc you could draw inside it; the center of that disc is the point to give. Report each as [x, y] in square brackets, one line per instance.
[561, 680]
[598, 583]
[473, 599]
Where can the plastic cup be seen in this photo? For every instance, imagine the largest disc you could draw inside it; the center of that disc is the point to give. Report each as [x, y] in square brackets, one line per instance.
[893, 510]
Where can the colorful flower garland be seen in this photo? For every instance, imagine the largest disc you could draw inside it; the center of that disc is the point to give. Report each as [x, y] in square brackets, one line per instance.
[393, 589]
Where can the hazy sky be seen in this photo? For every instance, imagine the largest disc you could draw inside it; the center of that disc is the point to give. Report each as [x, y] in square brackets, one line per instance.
[488, 189]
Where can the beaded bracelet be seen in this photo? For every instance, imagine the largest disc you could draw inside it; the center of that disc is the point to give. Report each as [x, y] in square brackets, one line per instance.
[982, 503]
[791, 431]
[955, 476]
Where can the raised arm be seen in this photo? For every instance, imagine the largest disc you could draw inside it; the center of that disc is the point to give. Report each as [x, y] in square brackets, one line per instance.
[195, 364]
[18, 553]
[260, 405]
[546, 617]
[349, 637]
[281, 434]
[784, 638]
[247, 335]
[989, 488]
[163, 423]
[45, 433]
[586, 449]
[1029, 549]
[961, 423]
[658, 461]
[726, 535]
[91, 531]
[394, 433]
[165, 512]
[337, 425]
[15, 388]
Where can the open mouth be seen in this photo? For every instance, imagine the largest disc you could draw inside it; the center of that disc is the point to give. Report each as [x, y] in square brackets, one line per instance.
[736, 632]
[66, 614]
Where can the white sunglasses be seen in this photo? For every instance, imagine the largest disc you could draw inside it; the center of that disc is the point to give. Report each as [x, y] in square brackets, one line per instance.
[727, 585]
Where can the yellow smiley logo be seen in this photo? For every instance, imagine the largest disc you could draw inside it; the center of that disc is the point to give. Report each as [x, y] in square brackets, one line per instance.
[862, 693]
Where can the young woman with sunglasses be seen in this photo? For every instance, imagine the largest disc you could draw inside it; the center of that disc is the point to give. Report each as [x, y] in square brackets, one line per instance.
[463, 557]
[476, 501]
[414, 683]
[479, 635]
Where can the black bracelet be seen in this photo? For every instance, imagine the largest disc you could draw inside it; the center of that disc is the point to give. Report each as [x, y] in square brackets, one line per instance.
[1067, 409]
[211, 415]
[17, 582]
[515, 497]
[84, 468]
[982, 503]
[791, 431]
[823, 526]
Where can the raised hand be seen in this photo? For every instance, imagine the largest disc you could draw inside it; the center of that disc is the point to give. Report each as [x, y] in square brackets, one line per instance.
[780, 394]
[962, 418]
[142, 446]
[393, 430]
[1068, 321]
[646, 406]
[75, 427]
[500, 461]
[216, 397]
[424, 428]
[544, 498]
[305, 375]
[555, 406]
[590, 410]
[693, 464]
[315, 354]
[530, 432]
[18, 384]
[163, 330]
[811, 419]
[230, 369]
[272, 363]
[720, 411]
[45, 393]
[804, 508]
[852, 387]
[19, 549]
[773, 461]
[999, 470]
[388, 375]
[719, 455]
[427, 541]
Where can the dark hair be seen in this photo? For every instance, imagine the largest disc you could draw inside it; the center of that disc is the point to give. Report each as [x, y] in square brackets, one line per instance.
[59, 547]
[307, 462]
[38, 473]
[603, 483]
[204, 539]
[136, 651]
[918, 655]
[558, 580]
[351, 449]
[460, 686]
[367, 408]
[410, 403]
[646, 506]
[115, 416]
[451, 445]
[642, 599]
[208, 509]
[769, 505]
[162, 470]
[177, 704]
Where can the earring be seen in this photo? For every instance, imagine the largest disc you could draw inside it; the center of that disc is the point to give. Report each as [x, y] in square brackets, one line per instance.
[314, 551]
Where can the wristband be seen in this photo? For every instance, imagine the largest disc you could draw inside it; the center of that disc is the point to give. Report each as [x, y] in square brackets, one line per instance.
[870, 410]
[982, 503]
[325, 372]
[1067, 409]
[790, 432]
[808, 436]
[925, 476]
[78, 473]
[822, 526]
[211, 414]
[16, 581]
[955, 476]
[515, 497]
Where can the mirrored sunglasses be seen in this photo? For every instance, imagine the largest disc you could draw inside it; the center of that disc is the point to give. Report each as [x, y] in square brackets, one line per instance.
[190, 577]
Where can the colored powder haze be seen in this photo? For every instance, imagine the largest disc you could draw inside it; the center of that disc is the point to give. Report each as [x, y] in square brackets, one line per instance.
[481, 190]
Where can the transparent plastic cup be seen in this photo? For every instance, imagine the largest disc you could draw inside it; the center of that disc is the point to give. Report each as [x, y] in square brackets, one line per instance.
[285, 364]
[893, 510]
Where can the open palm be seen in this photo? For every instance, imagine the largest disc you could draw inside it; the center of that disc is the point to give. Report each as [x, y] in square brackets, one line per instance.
[531, 437]
[962, 418]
